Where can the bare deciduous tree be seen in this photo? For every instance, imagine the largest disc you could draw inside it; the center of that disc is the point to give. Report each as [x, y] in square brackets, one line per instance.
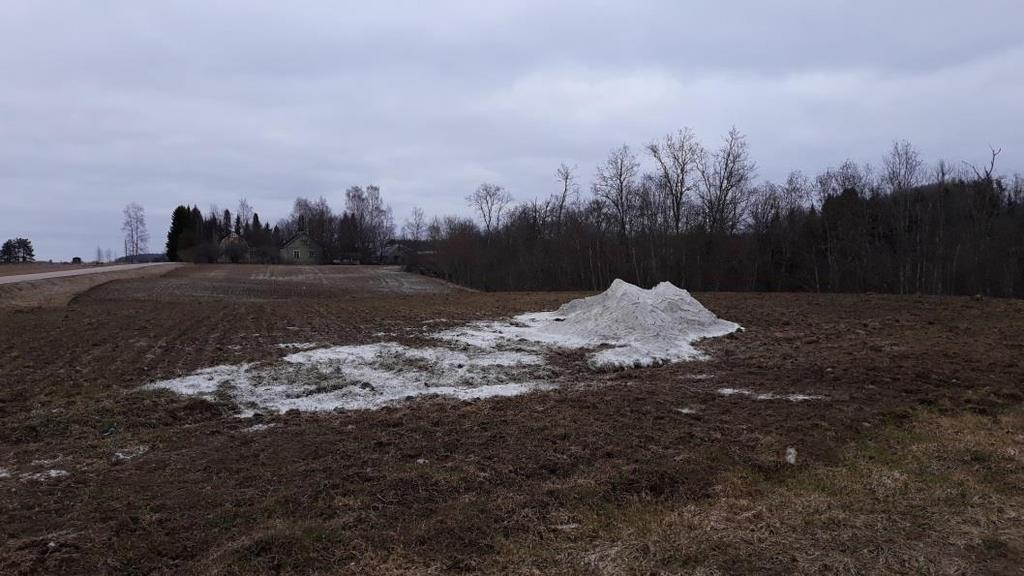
[765, 204]
[943, 172]
[244, 211]
[985, 174]
[415, 227]
[382, 220]
[489, 200]
[374, 219]
[676, 157]
[797, 191]
[902, 167]
[615, 183]
[136, 238]
[435, 230]
[570, 189]
[1017, 189]
[316, 218]
[725, 176]
[849, 176]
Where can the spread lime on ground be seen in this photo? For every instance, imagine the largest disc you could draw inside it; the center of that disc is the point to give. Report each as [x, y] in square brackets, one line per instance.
[627, 326]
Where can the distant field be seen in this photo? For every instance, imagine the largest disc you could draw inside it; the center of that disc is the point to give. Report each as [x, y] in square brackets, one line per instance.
[252, 282]
[37, 267]
[32, 292]
[911, 460]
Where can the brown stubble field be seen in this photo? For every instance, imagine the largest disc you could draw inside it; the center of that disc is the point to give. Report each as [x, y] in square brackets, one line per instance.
[912, 463]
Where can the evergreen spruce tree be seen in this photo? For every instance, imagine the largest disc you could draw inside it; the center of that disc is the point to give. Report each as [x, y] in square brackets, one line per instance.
[256, 232]
[198, 227]
[180, 220]
[8, 254]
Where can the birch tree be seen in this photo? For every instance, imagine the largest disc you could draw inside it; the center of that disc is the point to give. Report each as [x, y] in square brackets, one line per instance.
[415, 227]
[136, 238]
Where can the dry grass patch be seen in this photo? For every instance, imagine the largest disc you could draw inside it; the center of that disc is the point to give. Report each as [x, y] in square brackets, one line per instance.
[942, 496]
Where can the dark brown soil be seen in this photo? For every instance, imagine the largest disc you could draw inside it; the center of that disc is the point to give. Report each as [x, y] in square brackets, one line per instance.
[439, 485]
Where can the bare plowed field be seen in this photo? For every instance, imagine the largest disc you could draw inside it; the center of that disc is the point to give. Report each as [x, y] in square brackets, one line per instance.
[910, 459]
[32, 292]
[36, 268]
[262, 283]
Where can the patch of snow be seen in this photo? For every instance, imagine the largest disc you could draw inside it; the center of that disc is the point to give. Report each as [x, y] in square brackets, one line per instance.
[366, 376]
[686, 410]
[297, 345]
[46, 461]
[767, 395]
[205, 382]
[130, 453]
[795, 397]
[640, 327]
[5, 473]
[698, 377]
[259, 427]
[791, 455]
[440, 358]
[47, 475]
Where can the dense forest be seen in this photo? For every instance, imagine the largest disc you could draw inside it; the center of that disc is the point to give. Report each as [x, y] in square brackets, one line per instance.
[699, 220]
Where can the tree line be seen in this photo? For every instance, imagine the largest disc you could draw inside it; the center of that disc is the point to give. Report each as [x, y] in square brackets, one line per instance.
[358, 233]
[195, 237]
[696, 216]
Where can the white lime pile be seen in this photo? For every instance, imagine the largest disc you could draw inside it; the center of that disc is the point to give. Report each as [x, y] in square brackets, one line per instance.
[639, 327]
[363, 377]
[628, 325]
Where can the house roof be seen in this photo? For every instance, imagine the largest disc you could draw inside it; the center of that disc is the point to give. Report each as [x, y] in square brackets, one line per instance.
[298, 235]
[233, 238]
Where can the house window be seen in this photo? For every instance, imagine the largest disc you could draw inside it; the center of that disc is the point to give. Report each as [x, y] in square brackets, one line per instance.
[312, 255]
[295, 254]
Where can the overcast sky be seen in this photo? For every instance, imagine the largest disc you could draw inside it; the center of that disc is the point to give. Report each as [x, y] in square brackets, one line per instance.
[107, 102]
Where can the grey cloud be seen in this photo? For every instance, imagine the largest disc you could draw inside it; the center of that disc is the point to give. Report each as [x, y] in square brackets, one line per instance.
[105, 102]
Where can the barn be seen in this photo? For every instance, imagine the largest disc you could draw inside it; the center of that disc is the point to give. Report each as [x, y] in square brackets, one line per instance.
[234, 249]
